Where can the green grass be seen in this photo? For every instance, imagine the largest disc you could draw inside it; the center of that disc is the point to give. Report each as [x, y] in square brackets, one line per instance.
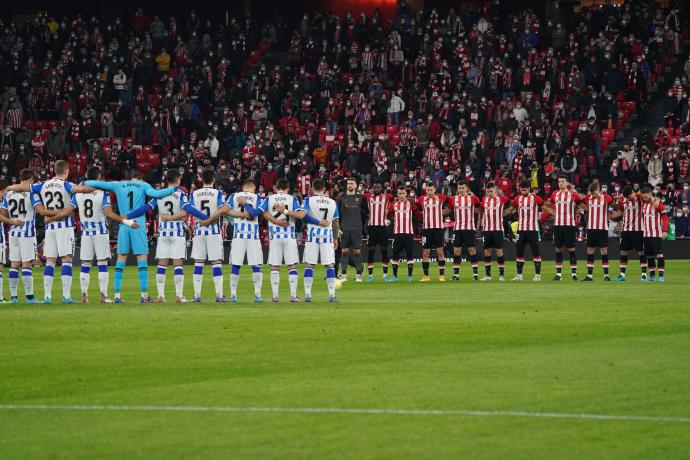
[599, 348]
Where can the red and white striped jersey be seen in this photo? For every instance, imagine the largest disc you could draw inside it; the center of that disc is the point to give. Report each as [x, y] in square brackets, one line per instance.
[432, 209]
[402, 217]
[528, 212]
[632, 213]
[652, 220]
[598, 216]
[378, 208]
[492, 218]
[564, 207]
[464, 211]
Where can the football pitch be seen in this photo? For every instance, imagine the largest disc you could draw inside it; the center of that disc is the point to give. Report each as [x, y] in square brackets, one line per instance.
[455, 370]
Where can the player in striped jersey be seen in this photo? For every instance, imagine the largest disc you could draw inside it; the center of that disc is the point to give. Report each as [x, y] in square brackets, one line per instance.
[207, 243]
[653, 222]
[630, 209]
[281, 209]
[321, 243]
[527, 207]
[402, 211]
[5, 218]
[377, 231]
[492, 227]
[56, 194]
[245, 237]
[22, 208]
[465, 207]
[94, 207]
[172, 243]
[562, 206]
[431, 206]
[597, 204]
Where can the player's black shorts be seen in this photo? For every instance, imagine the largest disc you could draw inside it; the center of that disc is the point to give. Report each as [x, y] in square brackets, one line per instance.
[351, 239]
[632, 240]
[597, 238]
[432, 238]
[564, 236]
[493, 240]
[403, 242]
[464, 238]
[653, 246]
[527, 238]
[378, 236]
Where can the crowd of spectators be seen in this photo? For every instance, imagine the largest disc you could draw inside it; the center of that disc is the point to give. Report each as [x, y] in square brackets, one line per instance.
[476, 95]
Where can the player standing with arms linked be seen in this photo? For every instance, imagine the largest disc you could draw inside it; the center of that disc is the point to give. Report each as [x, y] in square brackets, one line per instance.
[377, 230]
[432, 207]
[464, 206]
[172, 241]
[597, 204]
[527, 207]
[403, 210]
[492, 206]
[351, 206]
[131, 195]
[562, 207]
[321, 242]
[653, 222]
[630, 207]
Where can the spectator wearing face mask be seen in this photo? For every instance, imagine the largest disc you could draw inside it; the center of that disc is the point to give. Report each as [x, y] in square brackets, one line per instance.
[680, 219]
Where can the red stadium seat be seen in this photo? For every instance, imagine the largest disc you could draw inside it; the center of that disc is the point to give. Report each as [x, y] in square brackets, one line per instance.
[28, 124]
[608, 134]
[41, 124]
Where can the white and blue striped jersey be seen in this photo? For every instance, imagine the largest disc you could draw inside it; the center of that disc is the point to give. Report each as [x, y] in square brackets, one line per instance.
[247, 229]
[20, 205]
[91, 212]
[170, 205]
[207, 200]
[291, 204]
[55, 195]
[321, 208]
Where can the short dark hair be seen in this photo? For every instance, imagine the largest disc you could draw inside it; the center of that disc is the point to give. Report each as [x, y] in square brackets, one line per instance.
[594, 186]
[172, 175]
[524, 184]
[208, 175]
[563, 176]
[139, 175]
[402, 187]
[26, 174]
[461, 182]
[627, 190]
[93, 173]
[646, 189]
[282, 184]
[319, 185]
[490, 184]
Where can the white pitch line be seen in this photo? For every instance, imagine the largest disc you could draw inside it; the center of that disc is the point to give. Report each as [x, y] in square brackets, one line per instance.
[343, 410]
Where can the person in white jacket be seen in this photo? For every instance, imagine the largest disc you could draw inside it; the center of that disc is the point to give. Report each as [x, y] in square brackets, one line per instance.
[396, 106]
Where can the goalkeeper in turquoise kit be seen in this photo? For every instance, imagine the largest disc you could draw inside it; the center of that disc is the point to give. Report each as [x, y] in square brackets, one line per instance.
[132, 236]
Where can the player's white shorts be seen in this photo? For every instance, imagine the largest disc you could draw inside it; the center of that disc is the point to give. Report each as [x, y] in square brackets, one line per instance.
[59, 242]
[242, 246]
[283, 249]
[207, 247]
[22, 249]
[171, 247]
[3, 253]
[97, 246]
[313, 250]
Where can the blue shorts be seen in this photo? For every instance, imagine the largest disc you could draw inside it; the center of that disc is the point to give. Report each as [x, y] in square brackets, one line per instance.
[132, 239]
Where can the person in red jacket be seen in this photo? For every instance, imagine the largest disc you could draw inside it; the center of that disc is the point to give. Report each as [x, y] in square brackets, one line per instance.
[268, 178]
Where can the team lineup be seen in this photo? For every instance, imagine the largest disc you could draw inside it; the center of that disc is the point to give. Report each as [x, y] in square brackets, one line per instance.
[328, 223]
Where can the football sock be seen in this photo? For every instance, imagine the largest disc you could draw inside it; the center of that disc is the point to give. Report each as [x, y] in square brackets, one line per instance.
[103, 278]
[590, 264]
[178, 280]
[384, 260]
[48, 273]
[605, 263]
[275, 282]
[442, 267]
[520, 262]
[28, 280]
[84, 278]
[573, 262]
[160, 280]
[143, 275]
[559, 263]
[651, 263]
[1, 285]
[661, 265]
[344, 261]
[501, 265]
[425, 267]
[234, 279]
[395, 263]
[198, 278]
[13, 281]
[217, 272]
[537, 265]
[117, 278]
[257, 278]
[293, 279]
[643, 264]
[330, 281]
[308, 280]
[66, 278]
[487, 265]
[475, 267]
[370, 268]
[623, 263]
[456, 265]
[410, 267]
